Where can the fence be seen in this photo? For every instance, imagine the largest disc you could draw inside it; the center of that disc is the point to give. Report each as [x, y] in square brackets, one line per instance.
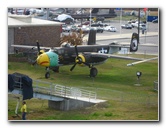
[61, 90]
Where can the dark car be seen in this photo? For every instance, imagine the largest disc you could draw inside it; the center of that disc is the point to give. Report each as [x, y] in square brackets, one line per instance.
[126, 26]
[155, 21]
[98, 25]
[98, 29]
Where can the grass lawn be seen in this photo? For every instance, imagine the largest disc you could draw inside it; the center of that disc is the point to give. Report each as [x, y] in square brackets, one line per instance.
[115, 83]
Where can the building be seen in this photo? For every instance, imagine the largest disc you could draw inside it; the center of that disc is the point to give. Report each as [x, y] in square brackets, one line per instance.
[26, 30]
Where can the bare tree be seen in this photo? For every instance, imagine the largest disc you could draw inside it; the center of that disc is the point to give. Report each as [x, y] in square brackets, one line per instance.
[73, 38]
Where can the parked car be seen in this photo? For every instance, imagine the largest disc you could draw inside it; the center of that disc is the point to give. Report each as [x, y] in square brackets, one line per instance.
[126, 26]
[66, 28]
[136, 23]
[110, 29]
[142, 26]
[155, 21]
[98, 29]
[74, 28]
[84, 28]
[98, 25]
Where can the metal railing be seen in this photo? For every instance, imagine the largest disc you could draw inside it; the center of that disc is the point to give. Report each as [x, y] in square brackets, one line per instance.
[62, 91]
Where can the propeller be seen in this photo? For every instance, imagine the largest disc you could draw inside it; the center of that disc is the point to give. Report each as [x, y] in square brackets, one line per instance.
[39, 52]
[78, 60]
[38, 48]
[34, 62]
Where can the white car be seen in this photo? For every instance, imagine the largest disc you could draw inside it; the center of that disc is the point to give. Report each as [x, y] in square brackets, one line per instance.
[110, 29]
[66, 28]
[142, 26]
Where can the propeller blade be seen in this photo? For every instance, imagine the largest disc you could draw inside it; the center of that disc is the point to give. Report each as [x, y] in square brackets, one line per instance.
[86, 64]
[34, 62]
[38, 46]
[71, 69]
[76, 50]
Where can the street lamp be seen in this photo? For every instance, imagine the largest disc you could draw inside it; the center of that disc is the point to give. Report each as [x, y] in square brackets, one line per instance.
[138, 74]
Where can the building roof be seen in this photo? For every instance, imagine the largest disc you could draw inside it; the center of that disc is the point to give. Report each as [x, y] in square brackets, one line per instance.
[28, 20]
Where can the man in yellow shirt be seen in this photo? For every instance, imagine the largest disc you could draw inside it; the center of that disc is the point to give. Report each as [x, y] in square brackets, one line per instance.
[24, 110]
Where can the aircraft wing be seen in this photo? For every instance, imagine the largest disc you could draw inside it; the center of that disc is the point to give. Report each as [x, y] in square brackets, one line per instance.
[138, 62]
[118, 57]
[124, 57]
[28, 47]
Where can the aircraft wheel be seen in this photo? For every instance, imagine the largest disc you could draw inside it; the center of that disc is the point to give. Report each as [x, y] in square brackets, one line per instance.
[93, 72]
[47, 75]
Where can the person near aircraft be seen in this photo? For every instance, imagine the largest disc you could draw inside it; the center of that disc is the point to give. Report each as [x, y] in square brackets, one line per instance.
[24, 110]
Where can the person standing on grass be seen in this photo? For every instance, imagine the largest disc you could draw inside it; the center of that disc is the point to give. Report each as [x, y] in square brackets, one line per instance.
[24, 110]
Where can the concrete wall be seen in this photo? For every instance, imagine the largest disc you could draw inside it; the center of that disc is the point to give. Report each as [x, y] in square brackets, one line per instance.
[69, 104]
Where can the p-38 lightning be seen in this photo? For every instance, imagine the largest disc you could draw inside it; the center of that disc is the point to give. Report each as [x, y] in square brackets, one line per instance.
[82, 55]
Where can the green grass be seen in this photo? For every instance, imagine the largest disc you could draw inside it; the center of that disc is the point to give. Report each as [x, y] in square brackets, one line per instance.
[114, 82]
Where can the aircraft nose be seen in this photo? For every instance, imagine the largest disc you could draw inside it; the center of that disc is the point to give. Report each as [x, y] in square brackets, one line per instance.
[43, 60]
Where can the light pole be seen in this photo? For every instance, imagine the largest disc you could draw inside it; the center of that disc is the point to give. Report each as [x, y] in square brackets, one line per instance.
[81, 17]
[120, 19]
[138, 23]
[90, 17]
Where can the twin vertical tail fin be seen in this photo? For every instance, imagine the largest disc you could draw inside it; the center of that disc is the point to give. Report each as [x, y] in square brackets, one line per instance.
[92, 37]
[134, 42]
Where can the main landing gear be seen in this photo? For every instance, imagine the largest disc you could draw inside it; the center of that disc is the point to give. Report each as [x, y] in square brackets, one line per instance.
[93, 72]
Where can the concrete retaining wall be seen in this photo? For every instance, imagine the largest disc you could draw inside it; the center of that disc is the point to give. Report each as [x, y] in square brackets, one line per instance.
[69, 104]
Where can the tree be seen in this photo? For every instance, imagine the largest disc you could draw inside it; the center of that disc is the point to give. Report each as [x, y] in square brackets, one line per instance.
[74, 38]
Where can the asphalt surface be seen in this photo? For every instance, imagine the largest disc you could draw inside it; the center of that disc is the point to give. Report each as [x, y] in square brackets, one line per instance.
[149, 40]
[149, 44]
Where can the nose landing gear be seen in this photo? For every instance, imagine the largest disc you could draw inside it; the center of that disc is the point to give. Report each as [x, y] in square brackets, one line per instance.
[47, 74]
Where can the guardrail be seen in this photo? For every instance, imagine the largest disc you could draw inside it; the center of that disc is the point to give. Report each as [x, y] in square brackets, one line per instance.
[61, 90]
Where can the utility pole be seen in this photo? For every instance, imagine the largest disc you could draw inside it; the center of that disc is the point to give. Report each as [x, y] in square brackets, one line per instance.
[81, 17]
[47, 13]
[138, 23]
[120, 20]
[90, 17]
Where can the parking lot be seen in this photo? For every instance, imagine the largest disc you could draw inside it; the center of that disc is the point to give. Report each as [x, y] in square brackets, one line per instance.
[151, 27]
[148, 39]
